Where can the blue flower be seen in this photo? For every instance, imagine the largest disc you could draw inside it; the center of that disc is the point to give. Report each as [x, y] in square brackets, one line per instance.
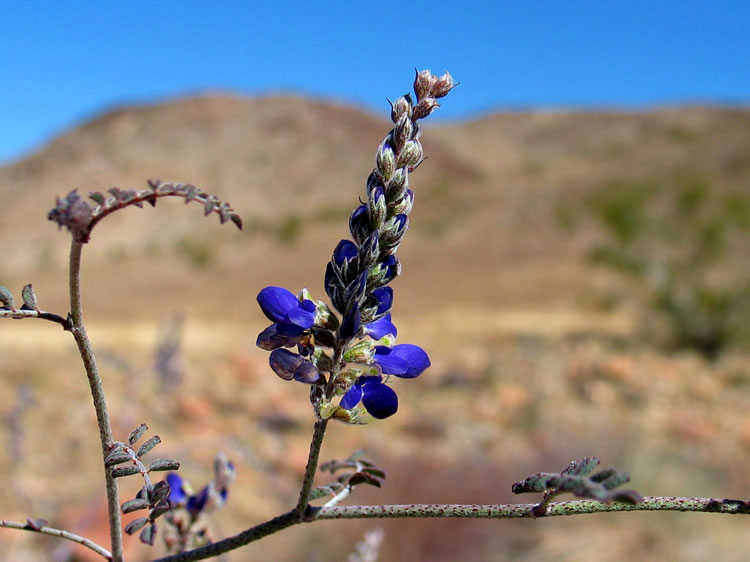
[405, 360]
[177, 492]
[283, 307]
[381, 327]
[290, 316]
[379, 399]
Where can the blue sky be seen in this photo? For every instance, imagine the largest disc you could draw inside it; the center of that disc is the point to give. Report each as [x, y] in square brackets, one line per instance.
[62, 62]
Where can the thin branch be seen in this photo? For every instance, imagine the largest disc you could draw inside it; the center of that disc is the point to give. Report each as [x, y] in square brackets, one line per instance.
[97, 393]
[20, 314]
[513, 511]
[319, 431]
[245, 537]
[32, 526]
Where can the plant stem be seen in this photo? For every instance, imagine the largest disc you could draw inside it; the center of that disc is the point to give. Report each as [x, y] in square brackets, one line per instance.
[26, 526]
[512, 511]
[97, 392]
[319, 431]
[253, 534]
[458, 511]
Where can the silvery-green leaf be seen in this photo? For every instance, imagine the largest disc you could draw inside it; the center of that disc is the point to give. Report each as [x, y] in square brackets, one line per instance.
[148, 535]
[159, 509]
[121, 471]
[29, 298]
[6, 298]
[163, 464]
[134, 505]
[160, 491]
[136, 525]
[148, 445]
[137, 433]
[98, 197]
[117, 458]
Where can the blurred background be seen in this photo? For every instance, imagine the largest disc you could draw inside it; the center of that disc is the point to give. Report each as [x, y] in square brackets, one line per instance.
[576, 267]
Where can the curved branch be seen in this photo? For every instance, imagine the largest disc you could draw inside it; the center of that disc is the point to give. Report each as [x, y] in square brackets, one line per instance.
[30, 525]
[97, 392]
[245, 537]
[20, 314]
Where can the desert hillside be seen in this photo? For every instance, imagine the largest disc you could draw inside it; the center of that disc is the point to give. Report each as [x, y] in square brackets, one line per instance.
[530, 368]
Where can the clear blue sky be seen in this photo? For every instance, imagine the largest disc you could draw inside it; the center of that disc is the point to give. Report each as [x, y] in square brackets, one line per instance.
[61, 62]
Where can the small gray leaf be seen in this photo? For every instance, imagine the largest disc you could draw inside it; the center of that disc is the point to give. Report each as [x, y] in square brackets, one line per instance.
[137, 433]
[148, 445]
[6, 298]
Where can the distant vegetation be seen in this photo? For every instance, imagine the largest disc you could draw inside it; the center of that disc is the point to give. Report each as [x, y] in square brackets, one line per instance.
[684, 243]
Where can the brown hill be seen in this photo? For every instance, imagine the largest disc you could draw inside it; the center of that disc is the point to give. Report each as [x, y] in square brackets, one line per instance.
[484, 231]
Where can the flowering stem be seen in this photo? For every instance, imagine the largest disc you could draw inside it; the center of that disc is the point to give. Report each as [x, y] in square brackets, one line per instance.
[97, 392]
[319, 431]
[513, 511]
[27, 526]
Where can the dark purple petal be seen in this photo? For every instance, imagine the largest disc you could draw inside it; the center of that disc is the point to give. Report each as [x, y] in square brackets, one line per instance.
[384, 296]
[379, 400]
[381, 327]
[176, 493]
[284, 363]
[345, 251]
[392, 268]
[351, 324]
[359, 224]
[196, 504]
[276, 302]
[279, 335]
[303, 315]
[307, 373]
[352, 397]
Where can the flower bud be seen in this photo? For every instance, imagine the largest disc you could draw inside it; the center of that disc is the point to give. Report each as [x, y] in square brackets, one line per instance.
[402, 132]
[410, 155]
[404, 206]
[361, 352]
[398, 185]
[424, 82]
[402, 106]
[377, 207]
[424, 108]
[370, 250]
[385, 160]
[359, 224]
[443, 85]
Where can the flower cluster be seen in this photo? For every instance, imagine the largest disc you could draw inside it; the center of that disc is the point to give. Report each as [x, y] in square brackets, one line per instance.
[354, 357]
[187, 522]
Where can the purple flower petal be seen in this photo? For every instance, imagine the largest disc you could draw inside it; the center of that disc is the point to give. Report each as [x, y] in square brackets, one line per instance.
[352, 397]
[351, 324]
[276, 302]
[384, 296]
[405, 360]
[345, 251]
[284, 363]
[302, 315]
[381, 327]
[379, 400]
[176, 493]
[307, 373]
